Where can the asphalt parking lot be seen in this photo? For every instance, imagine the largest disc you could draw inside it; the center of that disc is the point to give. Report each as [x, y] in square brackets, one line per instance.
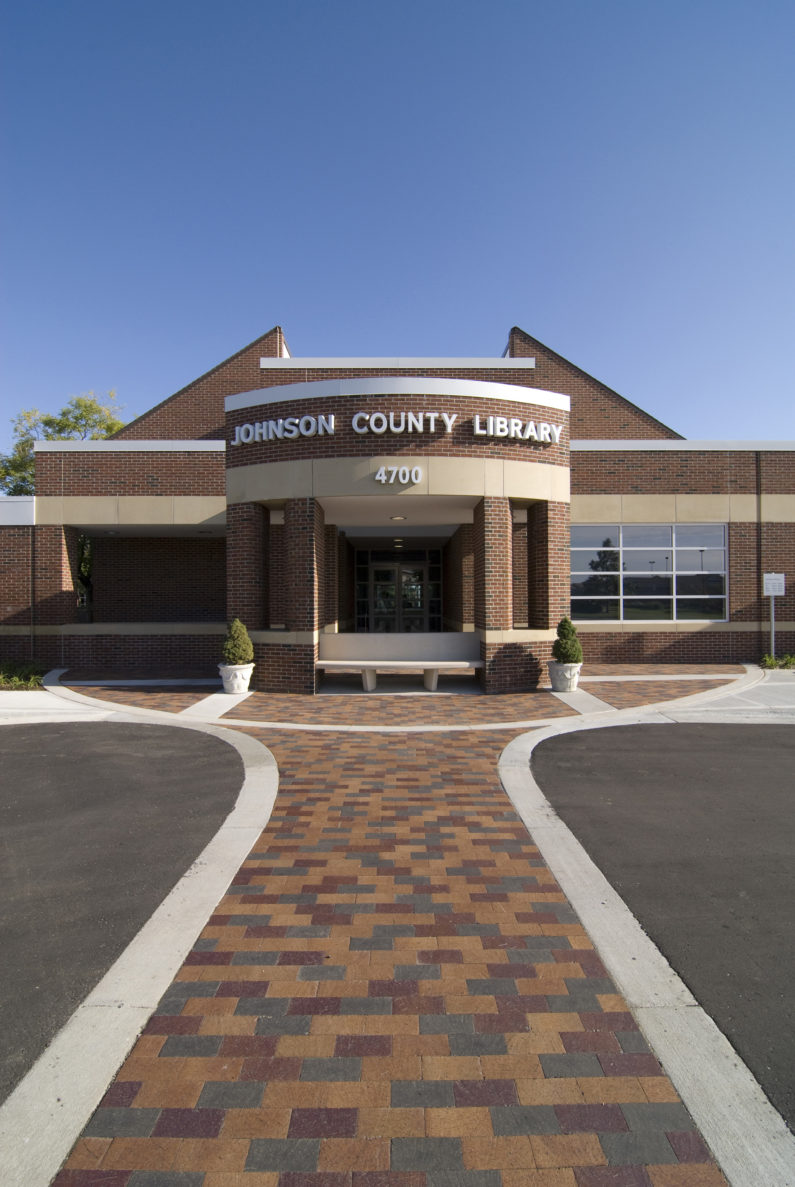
[97, 822]
[693, 825]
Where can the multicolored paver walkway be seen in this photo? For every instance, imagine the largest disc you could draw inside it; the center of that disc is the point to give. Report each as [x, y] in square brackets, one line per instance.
[394, 992]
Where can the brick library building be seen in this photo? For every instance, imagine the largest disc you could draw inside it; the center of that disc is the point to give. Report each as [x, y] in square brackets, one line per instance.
[397, 508]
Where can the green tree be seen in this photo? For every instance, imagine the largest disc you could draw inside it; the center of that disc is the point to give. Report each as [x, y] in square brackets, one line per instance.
[84, 418]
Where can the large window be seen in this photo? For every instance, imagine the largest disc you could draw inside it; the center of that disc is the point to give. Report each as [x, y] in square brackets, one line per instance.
[648, 572]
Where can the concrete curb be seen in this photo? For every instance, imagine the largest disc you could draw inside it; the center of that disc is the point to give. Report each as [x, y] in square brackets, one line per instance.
[45, 1114]
[748, 1137]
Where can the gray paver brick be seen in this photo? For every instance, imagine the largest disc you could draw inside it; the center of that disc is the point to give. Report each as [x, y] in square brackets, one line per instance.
[186, 989]
[573, 1003]
[663, 1117]
[511, 1120]
[417, 972]
[446, 1024]
[427, 1154]
[632, 1042]
[265, 1007]
[492, 986]
[575, 1064]
[643, 1148]
[178, 1046]
[422, 1094]
[294, 1024]
[366, 1005]
[229, 1094]
[283, 1154]
[122, 1123]
[333, 1068]
[321, 972]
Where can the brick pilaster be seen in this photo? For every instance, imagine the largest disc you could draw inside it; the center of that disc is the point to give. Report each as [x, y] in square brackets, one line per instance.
[492, 564]
[331, 612]
[304, 529]
[548, 573]
[247, 527]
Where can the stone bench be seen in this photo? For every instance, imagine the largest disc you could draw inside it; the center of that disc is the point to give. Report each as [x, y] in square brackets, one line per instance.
[370, 667]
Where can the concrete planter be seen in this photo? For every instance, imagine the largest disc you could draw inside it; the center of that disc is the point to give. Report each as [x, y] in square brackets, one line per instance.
[236, 677]
[563, 677]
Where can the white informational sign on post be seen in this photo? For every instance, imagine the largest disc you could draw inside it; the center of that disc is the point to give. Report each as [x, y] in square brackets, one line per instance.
[774, 586]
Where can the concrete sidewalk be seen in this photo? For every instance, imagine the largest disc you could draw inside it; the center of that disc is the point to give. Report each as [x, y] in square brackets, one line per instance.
[505, 1098]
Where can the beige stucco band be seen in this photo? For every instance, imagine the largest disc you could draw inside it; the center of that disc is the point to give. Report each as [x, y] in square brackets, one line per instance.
[131, 510]
[673, 508]
[440, 476]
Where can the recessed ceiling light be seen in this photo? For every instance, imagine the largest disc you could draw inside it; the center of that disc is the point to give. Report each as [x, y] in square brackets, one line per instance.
[397, 517]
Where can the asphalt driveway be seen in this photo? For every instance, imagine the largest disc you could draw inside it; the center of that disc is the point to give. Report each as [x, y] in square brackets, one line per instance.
[694, 826]
[97, 823]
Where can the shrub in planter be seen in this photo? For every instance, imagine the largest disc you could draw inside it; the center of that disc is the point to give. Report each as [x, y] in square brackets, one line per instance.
[238, 653]
[564, 668]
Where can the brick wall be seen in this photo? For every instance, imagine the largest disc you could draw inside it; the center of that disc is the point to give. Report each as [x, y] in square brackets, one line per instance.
[158, 579]
[513, 667]
[16, 550]
[54, 574]
[704, 646]
[82, 474]
[689, 472]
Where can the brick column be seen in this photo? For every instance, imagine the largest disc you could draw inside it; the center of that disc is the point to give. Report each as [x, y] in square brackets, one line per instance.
[304, 530]
[458, 592]
[548, 572]
[290, 667]
[247, 527]
[505, 663]
[493, 549]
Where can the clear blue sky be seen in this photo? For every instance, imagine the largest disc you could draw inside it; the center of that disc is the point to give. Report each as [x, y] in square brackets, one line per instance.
[406, 178]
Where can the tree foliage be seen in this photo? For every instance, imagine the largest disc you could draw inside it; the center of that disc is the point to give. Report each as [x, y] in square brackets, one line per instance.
[84, 418]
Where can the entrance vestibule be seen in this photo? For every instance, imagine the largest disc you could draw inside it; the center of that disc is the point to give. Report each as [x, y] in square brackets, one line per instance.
[398, 592]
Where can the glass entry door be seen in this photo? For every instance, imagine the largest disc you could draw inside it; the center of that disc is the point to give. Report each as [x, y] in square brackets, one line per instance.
[399, 598]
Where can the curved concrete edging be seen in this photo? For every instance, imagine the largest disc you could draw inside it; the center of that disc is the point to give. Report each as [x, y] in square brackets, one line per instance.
[748, 1137]
[44, 1115]
[752, 676]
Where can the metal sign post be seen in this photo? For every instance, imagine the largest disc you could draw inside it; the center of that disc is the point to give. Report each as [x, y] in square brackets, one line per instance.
[773, 586]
